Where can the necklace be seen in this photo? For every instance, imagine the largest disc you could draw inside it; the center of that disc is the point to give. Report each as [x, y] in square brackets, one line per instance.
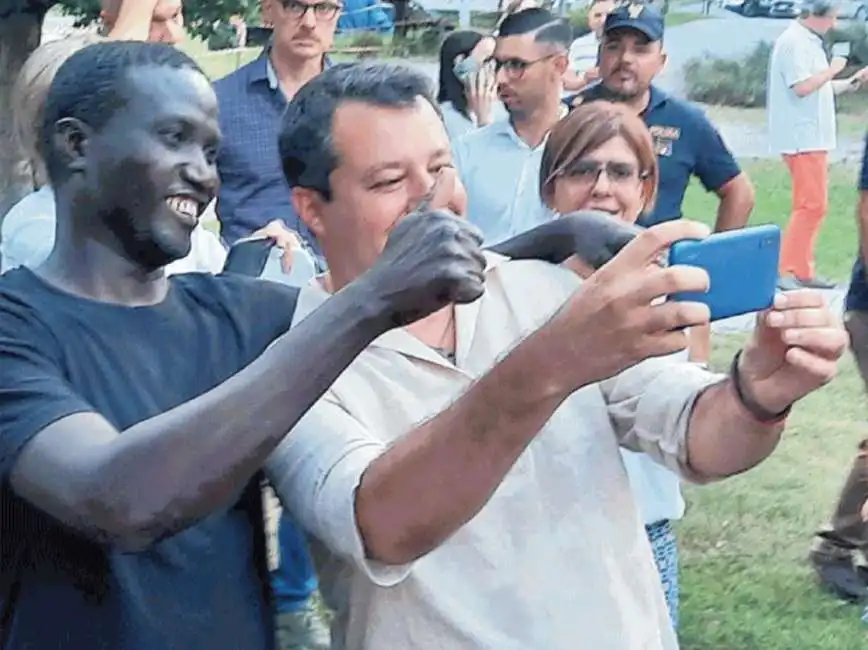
[444, 347]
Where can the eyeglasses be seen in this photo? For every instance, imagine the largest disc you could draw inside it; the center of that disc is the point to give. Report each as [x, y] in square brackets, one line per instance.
[321, 10]
[588, 172]
[516, 67]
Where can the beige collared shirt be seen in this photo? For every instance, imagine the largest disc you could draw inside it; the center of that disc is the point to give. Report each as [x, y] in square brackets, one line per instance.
[558, 558]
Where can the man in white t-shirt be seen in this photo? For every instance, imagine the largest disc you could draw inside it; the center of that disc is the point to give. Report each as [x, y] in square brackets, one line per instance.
[802, 130]
[462, 477]
[584, 50]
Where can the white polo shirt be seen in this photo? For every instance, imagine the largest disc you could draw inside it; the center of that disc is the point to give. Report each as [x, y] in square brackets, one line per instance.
[799, 124]
[558, 558]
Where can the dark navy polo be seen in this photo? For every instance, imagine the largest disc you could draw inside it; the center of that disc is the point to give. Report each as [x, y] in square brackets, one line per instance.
[253, 190]
[687, 144]
[857, 295]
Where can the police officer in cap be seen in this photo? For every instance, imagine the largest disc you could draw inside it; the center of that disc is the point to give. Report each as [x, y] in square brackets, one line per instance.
[687, 143]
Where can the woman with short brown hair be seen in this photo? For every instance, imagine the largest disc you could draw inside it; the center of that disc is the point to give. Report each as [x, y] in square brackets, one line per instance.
[597, 137]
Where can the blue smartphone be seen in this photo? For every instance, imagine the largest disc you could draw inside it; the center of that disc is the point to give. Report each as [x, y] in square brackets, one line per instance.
[742, 266]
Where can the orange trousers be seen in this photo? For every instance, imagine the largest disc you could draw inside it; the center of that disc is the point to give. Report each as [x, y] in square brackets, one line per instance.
[810, 176]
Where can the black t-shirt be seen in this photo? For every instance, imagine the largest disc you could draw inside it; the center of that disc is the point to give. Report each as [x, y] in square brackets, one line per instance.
[857, 295]
[205, 587]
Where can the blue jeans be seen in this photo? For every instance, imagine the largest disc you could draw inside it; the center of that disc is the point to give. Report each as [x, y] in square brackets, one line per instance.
[662, 539]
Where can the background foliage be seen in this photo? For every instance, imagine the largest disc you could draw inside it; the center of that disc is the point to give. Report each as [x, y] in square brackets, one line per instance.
[202, 17]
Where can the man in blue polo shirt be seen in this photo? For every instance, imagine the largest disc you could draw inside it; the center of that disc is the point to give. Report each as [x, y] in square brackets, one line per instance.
[836, 546]
[253, 191]
[687, 143]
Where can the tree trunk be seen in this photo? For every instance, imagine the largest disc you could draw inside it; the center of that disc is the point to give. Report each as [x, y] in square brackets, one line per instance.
[20, 32]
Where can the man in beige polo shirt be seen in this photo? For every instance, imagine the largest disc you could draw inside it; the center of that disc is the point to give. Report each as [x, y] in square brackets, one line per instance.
[462, 477]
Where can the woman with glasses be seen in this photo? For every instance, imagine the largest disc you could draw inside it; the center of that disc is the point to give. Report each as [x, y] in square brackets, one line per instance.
[601, 157]
[466, 90]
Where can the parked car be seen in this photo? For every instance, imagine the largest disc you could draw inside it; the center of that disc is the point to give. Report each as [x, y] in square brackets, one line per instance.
[848, 9]
[771, 8]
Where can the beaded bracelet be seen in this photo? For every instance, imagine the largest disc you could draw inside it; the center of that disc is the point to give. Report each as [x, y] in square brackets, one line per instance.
[757, 412]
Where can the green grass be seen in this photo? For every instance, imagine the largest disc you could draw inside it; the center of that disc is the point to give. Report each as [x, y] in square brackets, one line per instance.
[852, 114]
[745, 581]
[837, 244]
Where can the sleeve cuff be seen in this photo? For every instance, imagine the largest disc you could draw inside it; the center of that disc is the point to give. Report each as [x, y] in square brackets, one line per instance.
[676, 391]
[346, 540]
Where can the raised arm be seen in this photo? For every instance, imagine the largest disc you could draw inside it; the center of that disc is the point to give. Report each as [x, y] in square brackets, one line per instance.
[405, 500]
[165, 473]
[128, 20]
[594, 237]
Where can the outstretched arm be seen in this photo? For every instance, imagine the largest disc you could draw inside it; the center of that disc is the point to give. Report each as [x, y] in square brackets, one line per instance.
[135, 487]
[128, 20]
[594, 237]
[165, 473]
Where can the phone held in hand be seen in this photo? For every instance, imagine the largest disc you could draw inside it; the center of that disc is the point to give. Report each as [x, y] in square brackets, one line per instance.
[742, 267]
[841, 50]
[248, 257]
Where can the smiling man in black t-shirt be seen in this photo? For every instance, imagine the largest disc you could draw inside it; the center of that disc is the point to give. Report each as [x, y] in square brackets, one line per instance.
[135, 409]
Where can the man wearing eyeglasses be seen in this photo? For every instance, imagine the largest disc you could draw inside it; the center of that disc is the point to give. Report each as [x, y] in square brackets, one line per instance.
[530, 58]
[686, 142]
[253, 191]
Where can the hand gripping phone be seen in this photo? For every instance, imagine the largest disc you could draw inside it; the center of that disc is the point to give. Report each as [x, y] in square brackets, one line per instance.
[742, 267]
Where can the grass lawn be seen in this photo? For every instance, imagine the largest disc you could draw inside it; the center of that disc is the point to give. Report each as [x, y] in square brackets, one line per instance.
[746, 585]
[852, 114]
[838, 239]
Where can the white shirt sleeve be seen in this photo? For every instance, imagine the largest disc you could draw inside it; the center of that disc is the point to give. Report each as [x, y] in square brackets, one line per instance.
[650, 405]
[796, 64]
[316, 471]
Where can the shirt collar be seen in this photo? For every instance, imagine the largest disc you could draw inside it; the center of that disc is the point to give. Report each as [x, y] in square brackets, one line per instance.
[505, 128]
[262, 69]
[656, 99]
[809, 31]
[598, 91]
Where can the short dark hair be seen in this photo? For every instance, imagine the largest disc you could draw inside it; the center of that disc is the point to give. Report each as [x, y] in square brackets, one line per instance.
[547, 27]
[305, 144]
[451, 88]
[88, 86]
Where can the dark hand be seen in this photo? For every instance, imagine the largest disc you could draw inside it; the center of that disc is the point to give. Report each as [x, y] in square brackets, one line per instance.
[432, 259]
[597, 236]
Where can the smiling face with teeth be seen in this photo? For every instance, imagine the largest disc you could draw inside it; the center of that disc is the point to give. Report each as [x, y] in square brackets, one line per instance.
[151, 170]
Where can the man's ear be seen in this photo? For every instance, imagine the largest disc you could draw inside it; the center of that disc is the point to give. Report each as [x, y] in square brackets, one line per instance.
[308, 204]
[70, 142]
[561, 63]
